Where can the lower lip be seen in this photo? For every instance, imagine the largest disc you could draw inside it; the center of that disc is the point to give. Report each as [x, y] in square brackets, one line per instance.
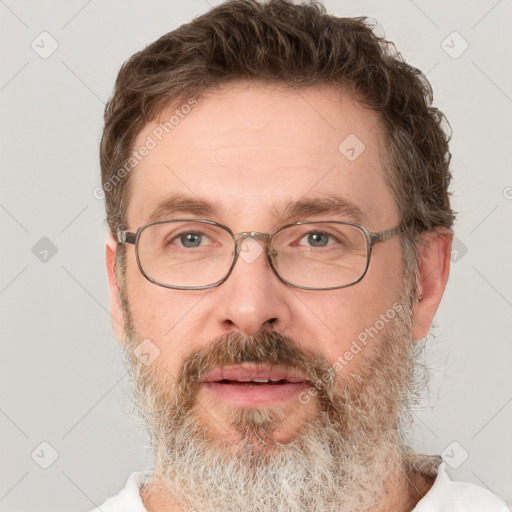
[257, 394]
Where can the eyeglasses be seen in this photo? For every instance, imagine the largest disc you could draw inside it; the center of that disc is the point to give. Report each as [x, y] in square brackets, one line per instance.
[193, 254]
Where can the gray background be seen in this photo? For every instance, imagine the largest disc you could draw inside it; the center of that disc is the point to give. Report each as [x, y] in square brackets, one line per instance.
[61, 378]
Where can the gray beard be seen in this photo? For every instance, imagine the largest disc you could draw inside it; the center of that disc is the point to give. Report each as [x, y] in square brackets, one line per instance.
[319, 471]
[340, 457]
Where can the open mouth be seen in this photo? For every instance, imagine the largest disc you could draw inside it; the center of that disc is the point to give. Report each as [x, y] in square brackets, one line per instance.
[250, 385]
[255, 382]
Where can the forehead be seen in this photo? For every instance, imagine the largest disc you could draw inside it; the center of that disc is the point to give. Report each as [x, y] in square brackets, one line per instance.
[251, 151]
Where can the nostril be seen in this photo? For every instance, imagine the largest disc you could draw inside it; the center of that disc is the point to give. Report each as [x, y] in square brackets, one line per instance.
[271, 320]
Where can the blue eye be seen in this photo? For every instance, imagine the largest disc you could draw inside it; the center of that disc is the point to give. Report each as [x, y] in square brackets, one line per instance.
[317, 239]
[190, 240]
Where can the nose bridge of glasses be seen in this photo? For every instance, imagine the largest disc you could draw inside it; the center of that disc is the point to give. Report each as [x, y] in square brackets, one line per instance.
[240, 237]
[252, 234]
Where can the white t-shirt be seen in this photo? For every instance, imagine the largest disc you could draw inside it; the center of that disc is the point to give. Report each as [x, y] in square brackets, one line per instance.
[444, 496]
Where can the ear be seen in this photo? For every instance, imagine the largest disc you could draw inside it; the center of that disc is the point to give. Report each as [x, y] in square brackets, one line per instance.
[116, 310]
[433, 272]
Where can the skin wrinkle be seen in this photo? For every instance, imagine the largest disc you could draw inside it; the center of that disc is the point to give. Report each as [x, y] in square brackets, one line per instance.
[344, 414]
[382, 396]
[345, 449]
[248, 107]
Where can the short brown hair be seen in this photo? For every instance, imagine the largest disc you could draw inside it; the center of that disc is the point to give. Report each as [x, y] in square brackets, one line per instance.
[296, 46]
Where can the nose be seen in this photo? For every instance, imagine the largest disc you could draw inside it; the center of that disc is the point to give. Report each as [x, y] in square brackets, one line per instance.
[252, 299]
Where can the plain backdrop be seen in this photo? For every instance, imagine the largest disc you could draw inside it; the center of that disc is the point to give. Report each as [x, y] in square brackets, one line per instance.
[62, 382]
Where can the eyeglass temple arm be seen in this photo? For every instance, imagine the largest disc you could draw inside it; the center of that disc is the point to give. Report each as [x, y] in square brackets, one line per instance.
[382, 236]
[126, 237]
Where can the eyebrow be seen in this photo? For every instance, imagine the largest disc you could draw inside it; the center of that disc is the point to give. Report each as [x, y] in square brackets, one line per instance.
[329, 205]
[179, 204]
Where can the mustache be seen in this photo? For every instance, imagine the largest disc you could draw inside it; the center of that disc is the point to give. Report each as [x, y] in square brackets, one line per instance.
[153, 384]
[270, 349]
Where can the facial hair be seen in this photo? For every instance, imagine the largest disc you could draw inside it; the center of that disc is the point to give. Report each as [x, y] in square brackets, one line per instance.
[339, 458]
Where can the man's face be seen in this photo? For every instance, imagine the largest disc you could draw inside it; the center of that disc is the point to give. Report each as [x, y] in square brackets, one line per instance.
[252, 151]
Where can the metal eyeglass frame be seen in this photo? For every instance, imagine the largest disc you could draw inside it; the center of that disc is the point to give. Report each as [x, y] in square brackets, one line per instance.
[372, 238]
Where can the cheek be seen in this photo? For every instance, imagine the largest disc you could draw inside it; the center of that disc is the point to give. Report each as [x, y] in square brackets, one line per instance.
[354, 314]
[154, 308]
[162, 316]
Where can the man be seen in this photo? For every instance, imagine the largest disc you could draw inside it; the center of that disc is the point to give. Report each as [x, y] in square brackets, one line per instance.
[276, 185]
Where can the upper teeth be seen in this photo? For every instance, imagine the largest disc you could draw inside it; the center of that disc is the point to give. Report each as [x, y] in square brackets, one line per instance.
[258, 380]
